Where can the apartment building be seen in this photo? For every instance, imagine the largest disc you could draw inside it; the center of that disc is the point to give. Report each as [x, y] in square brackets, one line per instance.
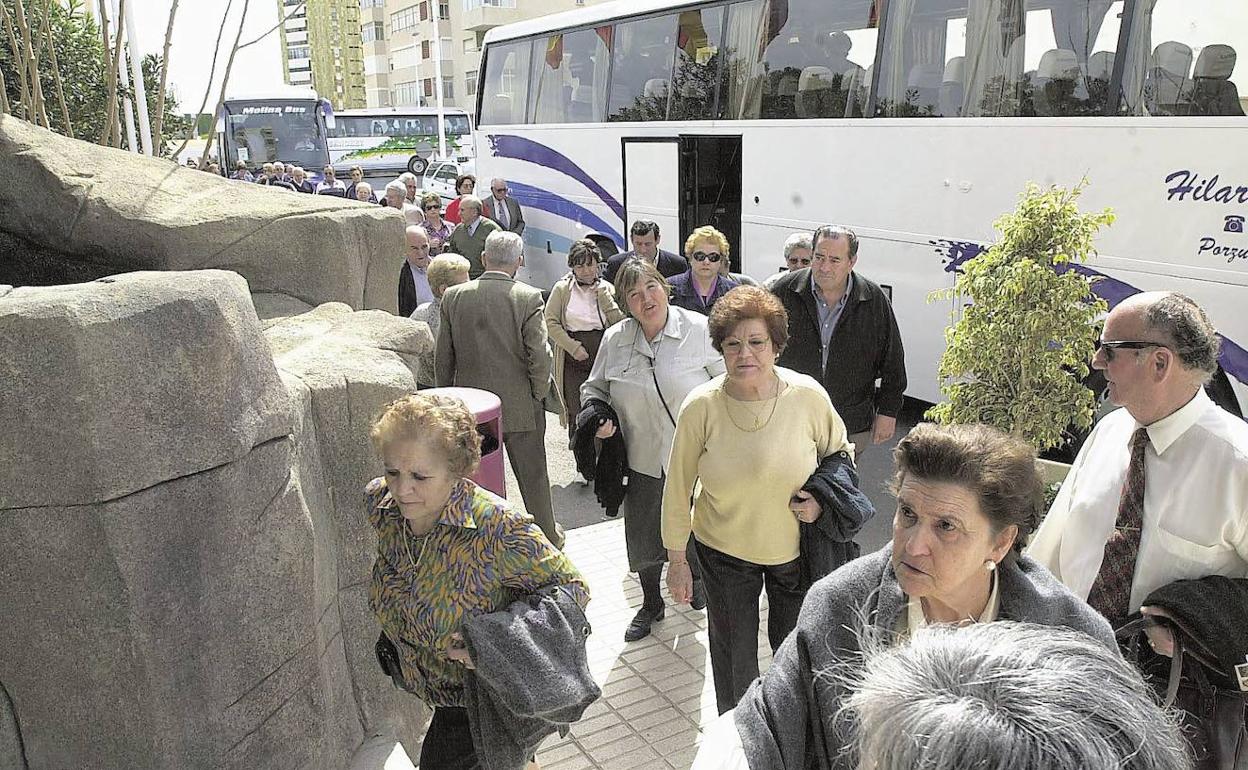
[322, 47]
[400, 45]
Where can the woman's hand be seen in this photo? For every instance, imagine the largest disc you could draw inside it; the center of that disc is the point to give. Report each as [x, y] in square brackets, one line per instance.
[458, 651]
[1160, 638]
[805, 507]
[606, 430]
[680, 581]
[581, 354]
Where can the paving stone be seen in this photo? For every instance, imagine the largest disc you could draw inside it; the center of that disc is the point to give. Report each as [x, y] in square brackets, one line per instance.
[616, 748]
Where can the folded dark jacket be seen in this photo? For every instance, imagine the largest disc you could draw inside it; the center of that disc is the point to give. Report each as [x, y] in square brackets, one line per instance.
[828, 543]
[1213, 612]
[531, 677]
[604, 462]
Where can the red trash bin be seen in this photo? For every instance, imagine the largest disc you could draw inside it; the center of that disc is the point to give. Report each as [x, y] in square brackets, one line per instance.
[488, 410]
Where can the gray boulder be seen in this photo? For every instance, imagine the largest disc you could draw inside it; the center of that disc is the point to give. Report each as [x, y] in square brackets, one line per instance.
[183, 551]
[105, 211]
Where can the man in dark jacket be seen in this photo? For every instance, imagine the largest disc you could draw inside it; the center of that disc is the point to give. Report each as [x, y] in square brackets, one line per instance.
[644, 236]
[842, 332]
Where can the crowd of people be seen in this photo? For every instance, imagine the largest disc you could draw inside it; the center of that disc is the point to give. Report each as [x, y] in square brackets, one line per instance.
[724, 419]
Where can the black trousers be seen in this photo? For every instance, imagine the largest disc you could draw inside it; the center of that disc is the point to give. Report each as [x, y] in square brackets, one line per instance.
[448, 741]
[732, 589]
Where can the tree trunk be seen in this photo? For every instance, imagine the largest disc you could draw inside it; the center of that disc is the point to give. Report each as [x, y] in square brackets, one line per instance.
[114, 116]
[216, 49]
[164, 78]
[4, 96]
[23, 86]
[31, 63]
[56, 67]
[225, 78]
[110, 116]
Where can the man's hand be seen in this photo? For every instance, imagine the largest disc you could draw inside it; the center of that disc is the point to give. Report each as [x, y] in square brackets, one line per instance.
[1160, 637]
[581, 354]
[458, 651]
[606, 430]
[805, 507]
[680, 580]
[883, 429]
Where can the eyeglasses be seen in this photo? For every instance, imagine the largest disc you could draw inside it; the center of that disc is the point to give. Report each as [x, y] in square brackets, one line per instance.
[734, 347]
[498, 189]
[800, 261]
[1109, 346]
[433, 208]
[699, 256]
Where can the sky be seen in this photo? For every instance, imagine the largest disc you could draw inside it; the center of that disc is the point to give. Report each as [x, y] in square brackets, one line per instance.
[194, 33]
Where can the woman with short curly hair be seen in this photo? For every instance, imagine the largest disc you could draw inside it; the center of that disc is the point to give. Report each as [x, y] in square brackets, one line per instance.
[701, 286]
[446, 549]
[752, 438]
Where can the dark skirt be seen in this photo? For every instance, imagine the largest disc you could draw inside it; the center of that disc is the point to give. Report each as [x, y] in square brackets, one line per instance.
[576, 372]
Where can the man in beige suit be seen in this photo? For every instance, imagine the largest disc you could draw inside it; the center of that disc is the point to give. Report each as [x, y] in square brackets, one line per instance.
[493, 337]
[468, 238]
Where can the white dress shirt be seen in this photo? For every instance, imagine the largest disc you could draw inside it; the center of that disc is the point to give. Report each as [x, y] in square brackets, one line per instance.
[1195, 501]
[624, 373]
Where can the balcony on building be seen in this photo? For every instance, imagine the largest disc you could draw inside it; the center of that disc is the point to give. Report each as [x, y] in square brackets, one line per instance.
[482, 15]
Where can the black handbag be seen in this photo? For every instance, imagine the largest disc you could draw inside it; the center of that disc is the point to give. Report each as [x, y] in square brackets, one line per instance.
[1214, 713]
[388, 659]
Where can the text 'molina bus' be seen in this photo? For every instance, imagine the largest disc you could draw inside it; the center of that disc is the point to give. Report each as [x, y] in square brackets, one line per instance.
[915, 122]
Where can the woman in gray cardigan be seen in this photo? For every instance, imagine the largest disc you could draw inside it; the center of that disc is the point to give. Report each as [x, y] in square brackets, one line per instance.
[968, 497]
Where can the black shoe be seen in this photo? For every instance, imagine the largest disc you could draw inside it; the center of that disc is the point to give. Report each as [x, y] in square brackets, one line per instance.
[698, 600]
[639, 628]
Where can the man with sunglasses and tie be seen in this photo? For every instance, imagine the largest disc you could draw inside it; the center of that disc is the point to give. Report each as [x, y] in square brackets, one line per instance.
[1159, 491]
[503, 209]
[842, 332]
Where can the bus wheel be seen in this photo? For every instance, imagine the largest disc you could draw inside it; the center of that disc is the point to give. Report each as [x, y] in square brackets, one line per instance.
[417, 165]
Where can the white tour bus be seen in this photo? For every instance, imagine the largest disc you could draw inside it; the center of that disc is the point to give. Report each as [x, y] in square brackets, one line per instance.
[914, 122]
[390, 140]
[288, 124]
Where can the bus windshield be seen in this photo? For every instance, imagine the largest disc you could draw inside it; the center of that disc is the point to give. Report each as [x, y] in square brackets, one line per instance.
[263, 132]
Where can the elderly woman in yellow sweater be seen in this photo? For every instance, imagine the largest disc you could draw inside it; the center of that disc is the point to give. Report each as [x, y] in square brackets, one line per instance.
[752, 437]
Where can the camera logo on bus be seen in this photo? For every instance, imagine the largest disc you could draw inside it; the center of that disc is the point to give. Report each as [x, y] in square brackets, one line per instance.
[1234, 224]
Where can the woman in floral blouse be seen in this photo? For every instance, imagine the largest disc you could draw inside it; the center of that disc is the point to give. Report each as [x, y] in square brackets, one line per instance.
[446, 549]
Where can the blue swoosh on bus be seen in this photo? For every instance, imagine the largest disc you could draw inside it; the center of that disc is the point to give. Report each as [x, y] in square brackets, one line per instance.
[519, 148]
[535, 197]
[1232, 358]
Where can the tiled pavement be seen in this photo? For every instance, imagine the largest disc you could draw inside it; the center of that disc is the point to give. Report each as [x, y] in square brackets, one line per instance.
[657, 693]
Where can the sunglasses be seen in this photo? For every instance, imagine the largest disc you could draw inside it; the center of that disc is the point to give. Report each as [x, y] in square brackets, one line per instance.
[699, 256]
[1112, 345]
[433, 208]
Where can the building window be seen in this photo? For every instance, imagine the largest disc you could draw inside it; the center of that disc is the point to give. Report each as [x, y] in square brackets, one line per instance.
[470, 5]
[470, 45]
[444, 10]
[425, 50]
[448, 87]
[403, 19]
[407, 93]
[470, 82]
[371, 31]
[372, 4]
[424, 11]
[299, 52]
[427, 86]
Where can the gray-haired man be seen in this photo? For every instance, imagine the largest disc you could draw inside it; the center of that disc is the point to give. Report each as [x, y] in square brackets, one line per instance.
[493, 337]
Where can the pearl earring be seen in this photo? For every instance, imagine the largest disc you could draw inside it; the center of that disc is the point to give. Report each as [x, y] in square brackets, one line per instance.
[990, 565]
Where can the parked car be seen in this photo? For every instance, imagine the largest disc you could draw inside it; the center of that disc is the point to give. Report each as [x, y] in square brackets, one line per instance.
[441, 175]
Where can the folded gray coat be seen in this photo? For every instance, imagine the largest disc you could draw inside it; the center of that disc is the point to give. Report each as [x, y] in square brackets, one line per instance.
[531, 677]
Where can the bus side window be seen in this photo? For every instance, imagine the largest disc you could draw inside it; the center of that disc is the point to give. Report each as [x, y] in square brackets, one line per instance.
[1182, 59]
[642, 69]
[696, 75]
[505, 88]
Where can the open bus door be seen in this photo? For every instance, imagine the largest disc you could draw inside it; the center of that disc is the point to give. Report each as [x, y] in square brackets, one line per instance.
[682, 183]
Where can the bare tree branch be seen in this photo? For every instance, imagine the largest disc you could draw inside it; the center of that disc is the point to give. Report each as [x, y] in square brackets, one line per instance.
[23, 86]
[225, 79]
[56, 68]
[216, 49]
[164, 78]
[4, 96]
[110, 72]
[34, 49]
[272, 29]
[114, 93]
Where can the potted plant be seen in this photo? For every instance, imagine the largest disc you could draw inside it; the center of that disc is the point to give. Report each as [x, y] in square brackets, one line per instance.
[1018, 352]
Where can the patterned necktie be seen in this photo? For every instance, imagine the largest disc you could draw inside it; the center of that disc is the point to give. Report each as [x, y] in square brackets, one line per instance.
[1111, 591]
[501, 208]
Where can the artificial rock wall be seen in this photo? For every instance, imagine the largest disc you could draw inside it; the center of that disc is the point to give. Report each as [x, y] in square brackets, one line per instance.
[184, 557]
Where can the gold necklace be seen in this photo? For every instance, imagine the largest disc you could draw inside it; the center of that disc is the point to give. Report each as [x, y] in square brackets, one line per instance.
[757, 426]
[407, 544]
